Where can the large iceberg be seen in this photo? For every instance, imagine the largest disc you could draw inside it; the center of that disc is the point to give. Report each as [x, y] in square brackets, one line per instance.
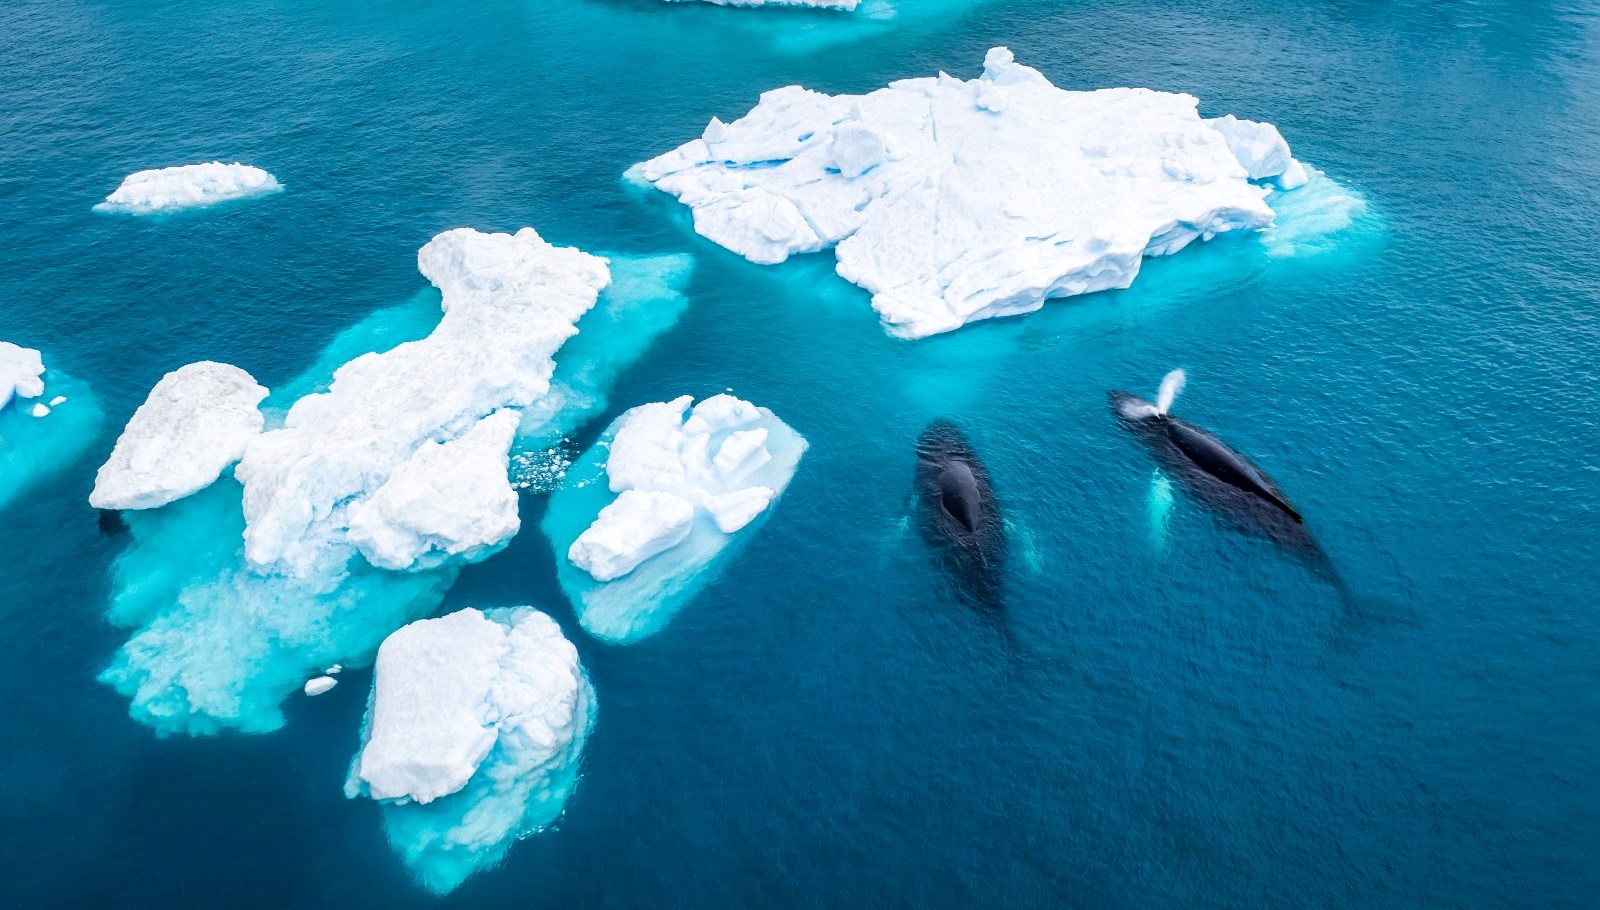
[40, 439]
[644, 516]
[379, 476]
[161, 191]
[195, 423]
[472, 738]
[953, 201]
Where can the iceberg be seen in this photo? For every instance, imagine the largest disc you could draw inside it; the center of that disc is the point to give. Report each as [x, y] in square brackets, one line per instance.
[646, 515]
[383, 470]
[41, 439]
[161, 191]
[21, 373]
[953, 201]
[472, 738]
[196, 423]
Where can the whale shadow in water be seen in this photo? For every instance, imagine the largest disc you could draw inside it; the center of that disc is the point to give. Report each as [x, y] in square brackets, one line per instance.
[1250, 504]
[959, 516]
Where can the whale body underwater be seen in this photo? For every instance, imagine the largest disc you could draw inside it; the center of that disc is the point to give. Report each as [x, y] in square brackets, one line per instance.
[958, 514]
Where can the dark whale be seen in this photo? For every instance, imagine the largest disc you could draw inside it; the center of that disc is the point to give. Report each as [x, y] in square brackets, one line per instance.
[958, 514]
[1226, 482]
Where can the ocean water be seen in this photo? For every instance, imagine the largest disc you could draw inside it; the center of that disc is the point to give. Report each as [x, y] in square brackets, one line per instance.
[1170, 713]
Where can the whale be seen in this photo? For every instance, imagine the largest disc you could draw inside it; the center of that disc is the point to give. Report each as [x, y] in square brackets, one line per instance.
[959, 515]
[1216, 475]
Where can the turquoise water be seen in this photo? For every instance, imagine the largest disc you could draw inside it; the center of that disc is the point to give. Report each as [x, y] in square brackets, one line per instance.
[1189, 720]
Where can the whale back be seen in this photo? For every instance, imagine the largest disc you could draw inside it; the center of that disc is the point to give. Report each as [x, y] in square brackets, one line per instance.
[958, 494]
[1214, 457]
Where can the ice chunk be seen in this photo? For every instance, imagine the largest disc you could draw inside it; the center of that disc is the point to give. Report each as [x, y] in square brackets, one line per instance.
[634, 527]
[21, 370]
[40, 410]
[473, 737]
[646, 514]
[170, 189]
[448, 500]
[319, 685]
[218, 641]
[953, 201]
[509, 300]
[193, 426]
[1262, 150]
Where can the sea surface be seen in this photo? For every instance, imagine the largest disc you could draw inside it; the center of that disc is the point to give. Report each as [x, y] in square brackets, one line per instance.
[1169, 713]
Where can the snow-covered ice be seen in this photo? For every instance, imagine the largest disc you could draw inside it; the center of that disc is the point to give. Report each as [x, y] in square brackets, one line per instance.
[449, 500]
[371, 460]
[160, 191]
[953, 201]
[472, 738]
[509, 300]
[195, 423]
[643, 516]
[40, 410]
[319, 685]
[21, 372]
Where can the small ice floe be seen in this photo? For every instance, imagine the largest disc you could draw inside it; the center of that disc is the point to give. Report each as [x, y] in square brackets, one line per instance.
[320, 685]
[58, 401]
[40, 410]
[165, 190]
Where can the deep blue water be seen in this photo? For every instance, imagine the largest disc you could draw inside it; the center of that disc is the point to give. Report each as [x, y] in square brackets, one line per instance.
[1199, 723]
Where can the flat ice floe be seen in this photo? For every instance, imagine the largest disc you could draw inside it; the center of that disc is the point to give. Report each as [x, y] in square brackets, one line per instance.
[644, 515]
[38, 439]
[195, 423]
[382, 471]
[161, 191]
[473, 737]
[953, 201]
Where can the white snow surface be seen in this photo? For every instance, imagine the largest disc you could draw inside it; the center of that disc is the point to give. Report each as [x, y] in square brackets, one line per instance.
[447, 690]
[170, 189]
[953, 201]
[21, 372]
[448, 500]
[668, 462]
[195, 423]
[510, 301]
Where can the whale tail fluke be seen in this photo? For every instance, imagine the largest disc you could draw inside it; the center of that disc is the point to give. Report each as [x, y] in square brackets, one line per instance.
[1171, 385]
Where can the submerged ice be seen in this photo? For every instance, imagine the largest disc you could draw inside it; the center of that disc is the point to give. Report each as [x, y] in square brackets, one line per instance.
[472, 739]
[644, 515]
[38, 439]
[164, 190]
[385, 473]
[953, 201]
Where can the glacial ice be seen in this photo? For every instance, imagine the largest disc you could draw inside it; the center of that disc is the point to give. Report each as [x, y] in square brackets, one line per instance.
[645, 514]
[509, 302]
[953, 201]
[165, 190]
[219, 640]
[448, 501]
[319, 685]
[195, 423]
[472, 738]
[21, 372]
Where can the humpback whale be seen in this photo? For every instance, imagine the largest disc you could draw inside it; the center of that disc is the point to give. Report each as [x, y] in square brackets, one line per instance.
[958, 514]
[1211, 472]
[1202, 449]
